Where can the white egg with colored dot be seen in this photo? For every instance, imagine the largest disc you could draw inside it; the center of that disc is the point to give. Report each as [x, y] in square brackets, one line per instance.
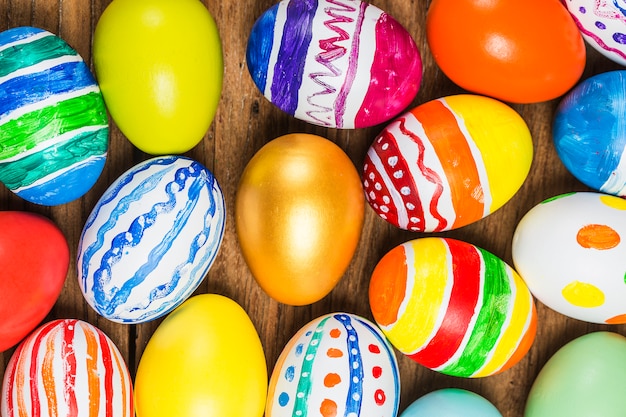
[571, 252]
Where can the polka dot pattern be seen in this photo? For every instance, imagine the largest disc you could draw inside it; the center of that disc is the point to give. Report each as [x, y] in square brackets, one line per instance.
[339, 364]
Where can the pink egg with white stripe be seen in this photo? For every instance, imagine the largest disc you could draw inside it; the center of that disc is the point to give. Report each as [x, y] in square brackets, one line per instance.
[67, 368]
[447, 163]
[334, 63]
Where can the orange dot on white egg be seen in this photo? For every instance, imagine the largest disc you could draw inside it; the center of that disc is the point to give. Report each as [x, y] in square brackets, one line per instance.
[597, 236]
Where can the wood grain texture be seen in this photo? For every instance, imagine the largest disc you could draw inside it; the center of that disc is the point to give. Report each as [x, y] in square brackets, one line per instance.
[244, 122]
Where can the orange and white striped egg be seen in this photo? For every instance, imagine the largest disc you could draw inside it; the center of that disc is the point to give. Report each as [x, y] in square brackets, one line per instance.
[571, 251]
[453, 307]
[67, 367]
[447, 163]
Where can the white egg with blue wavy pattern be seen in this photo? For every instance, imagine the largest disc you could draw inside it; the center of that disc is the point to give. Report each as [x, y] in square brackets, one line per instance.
[151, 239]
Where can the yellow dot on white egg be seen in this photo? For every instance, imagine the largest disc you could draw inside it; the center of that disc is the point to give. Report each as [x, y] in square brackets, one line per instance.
[583, 294]
[614, 202]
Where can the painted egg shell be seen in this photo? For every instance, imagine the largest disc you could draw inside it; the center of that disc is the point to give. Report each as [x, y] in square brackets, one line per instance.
[339, 64]
[53, 122]
[486, 47]
[150, 239]
[603, 25]
[453, 307]
[586, 377]
[571, 251]
[67, 368]
[337, 365]
[589, 134]
[160, 66]
[204, 359]
[451, 402]
[299, 214]
[447, 163]
[34, 259]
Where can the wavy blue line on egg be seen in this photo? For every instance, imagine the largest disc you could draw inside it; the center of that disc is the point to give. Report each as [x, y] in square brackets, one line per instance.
[260, 45]
[294, 45]
[31, 88]
[17, 34]
[354, 399]
[122, 206]
[392, 360]
[136, 230]
[167, 289]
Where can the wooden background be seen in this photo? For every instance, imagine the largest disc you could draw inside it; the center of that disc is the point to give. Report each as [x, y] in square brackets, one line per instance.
[244, 122]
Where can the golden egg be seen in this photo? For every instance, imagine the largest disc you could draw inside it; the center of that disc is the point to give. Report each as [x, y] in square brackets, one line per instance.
[299, 213]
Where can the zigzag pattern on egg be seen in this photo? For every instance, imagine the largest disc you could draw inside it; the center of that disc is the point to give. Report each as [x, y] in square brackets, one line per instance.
[53, 120]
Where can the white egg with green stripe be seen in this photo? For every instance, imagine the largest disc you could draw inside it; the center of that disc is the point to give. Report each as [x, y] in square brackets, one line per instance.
[53, 121]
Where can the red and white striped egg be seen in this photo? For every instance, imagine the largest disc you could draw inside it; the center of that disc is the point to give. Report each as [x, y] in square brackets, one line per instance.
[67, 367]
[447, 163]
[339, 364]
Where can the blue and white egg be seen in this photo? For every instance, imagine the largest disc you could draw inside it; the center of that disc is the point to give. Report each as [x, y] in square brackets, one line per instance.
[339, 364]
[151, 239]
[589, 132]
[53, 121]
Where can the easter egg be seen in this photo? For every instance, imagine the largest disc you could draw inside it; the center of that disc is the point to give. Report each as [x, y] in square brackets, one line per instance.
[150, 239]
[447, 163]
[586, 377]
[343, 64]
[299, 212]
[570, 251]
[53, 122]
[588, 133]
[67, 368]
[336, 365]
[452, 307]
[451, 402]
[520, 52]
[160, 67]
[603, 26]
[204, 359]
[34, 259]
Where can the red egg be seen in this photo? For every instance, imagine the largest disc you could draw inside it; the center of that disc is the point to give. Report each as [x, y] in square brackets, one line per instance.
[34, 259]
[517, 51]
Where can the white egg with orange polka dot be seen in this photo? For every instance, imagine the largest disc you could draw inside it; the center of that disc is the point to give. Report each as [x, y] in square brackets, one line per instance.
[571, 251]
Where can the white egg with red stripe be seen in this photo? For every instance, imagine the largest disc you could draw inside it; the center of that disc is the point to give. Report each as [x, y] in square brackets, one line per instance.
[67, 368]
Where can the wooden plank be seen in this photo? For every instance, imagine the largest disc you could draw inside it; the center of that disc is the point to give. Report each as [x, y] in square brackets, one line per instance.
[245, 121]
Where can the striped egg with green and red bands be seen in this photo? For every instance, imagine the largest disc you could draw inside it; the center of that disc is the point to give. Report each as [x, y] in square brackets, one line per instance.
[67, 367]
[447, 163]
[453, 307]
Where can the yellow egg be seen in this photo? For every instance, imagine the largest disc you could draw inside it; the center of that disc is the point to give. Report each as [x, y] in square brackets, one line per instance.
[204, 359]
[159, 65]
[299, 213]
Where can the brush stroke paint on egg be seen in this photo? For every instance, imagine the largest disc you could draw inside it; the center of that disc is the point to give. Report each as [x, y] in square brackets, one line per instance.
[337, 364]
[67, 368]
[453, 307]
[334, 63]
[590, 135]
[151, 238]
[447, 163]
[53, 122]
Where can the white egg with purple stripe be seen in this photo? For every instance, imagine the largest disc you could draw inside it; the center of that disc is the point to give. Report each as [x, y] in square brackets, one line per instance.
[339, 364]
[151, 238]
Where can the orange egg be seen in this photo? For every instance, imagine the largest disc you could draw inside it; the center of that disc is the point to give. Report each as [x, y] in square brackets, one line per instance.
[299, 212]
[517, 51]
